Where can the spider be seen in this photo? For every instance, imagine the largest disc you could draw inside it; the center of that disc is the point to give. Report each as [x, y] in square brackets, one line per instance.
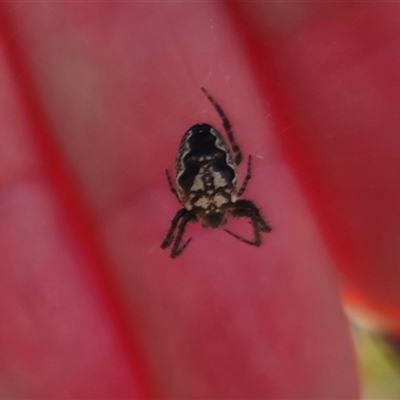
[207, 184]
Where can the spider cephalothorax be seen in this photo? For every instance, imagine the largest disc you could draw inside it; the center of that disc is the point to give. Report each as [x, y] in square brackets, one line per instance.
[206, 184]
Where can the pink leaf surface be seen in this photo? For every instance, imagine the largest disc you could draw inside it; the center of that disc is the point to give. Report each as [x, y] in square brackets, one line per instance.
[95, 99]
[336, 95]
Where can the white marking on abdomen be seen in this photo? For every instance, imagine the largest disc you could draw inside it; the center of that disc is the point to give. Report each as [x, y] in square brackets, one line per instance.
[219, 200]
[198, 183]
[202, 202]
[219, 181]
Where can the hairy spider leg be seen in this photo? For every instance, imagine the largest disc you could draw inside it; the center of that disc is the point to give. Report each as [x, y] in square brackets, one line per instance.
[171, 186]
[170, 235]
[246, 178]
[184, 216]
[227, 126]
[245, 208]
[181, 230]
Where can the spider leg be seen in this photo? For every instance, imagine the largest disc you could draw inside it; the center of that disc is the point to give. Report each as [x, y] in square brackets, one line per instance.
[245, 208]
[170, 235]
[176, 251]
[171, 186]
[227, 126]
[182, 217]
[246, 178]
[255, 242]
[254, 210]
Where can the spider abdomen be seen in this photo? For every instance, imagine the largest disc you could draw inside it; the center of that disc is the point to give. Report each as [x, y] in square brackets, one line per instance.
[204, 169]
